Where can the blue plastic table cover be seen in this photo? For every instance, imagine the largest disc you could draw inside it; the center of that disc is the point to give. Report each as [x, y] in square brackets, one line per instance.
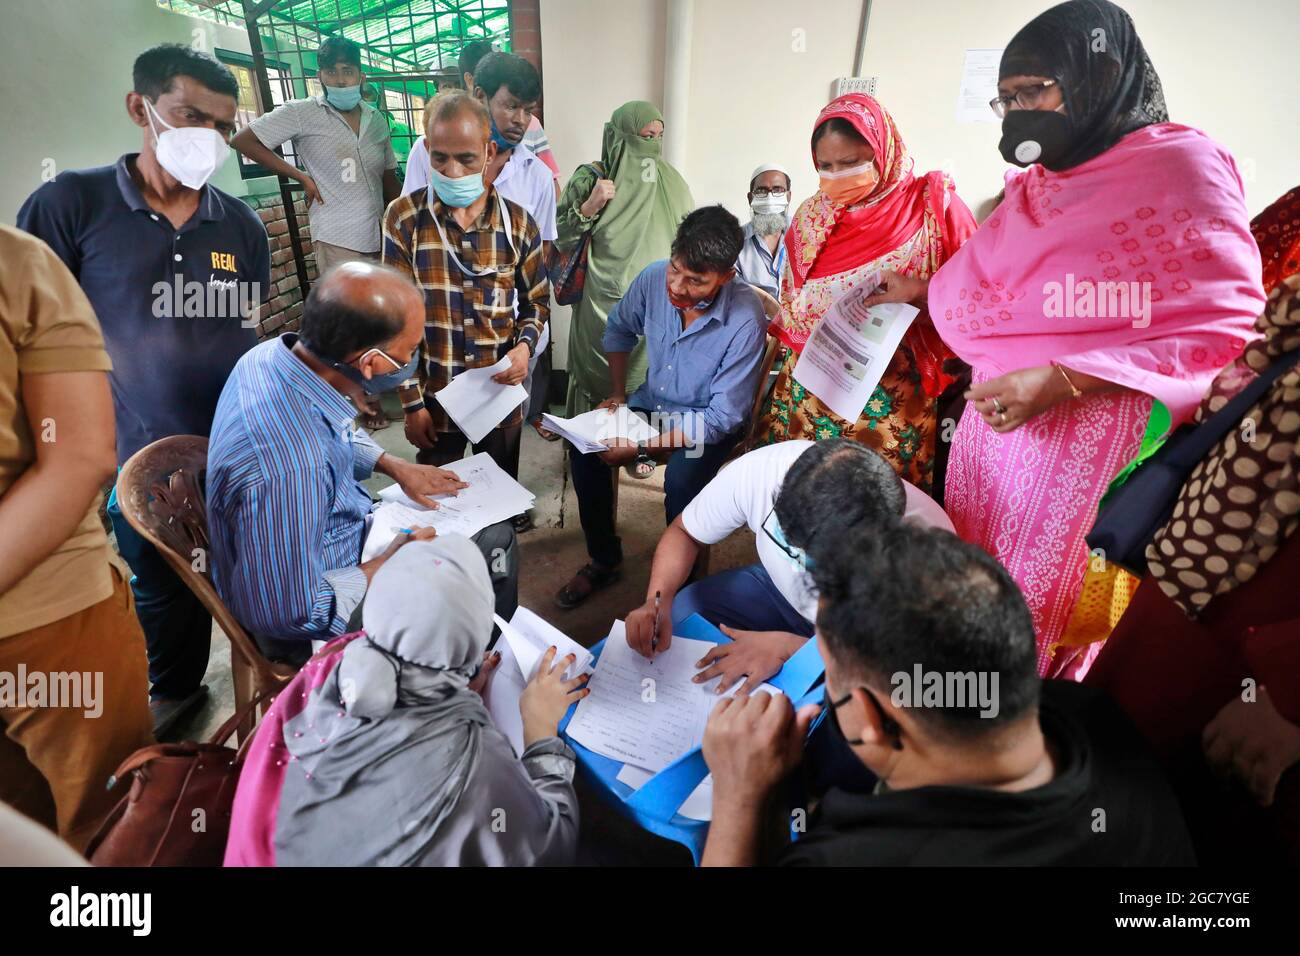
[654, 805]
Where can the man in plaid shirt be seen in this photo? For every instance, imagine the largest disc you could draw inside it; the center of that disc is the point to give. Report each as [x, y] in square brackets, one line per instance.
[477, 259]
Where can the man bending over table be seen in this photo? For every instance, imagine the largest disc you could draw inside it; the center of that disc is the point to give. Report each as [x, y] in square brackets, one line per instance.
[286, 511]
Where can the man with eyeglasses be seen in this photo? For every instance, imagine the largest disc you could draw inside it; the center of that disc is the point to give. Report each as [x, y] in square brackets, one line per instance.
[286, 510]
[763, 254]
[790, 495]
[1042, 774]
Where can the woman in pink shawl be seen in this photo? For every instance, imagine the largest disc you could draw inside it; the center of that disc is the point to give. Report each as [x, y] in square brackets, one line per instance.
[1115, 279]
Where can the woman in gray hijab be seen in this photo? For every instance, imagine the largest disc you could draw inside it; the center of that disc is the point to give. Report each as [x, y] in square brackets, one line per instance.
[394, 760]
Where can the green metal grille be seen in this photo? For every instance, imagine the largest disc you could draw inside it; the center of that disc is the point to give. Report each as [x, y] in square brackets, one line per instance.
[398, 36]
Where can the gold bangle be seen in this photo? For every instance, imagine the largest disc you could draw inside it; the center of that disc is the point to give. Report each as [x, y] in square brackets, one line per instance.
[1074, 391]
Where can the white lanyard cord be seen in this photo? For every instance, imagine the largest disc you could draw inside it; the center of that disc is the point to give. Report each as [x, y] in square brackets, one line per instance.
[510, 238]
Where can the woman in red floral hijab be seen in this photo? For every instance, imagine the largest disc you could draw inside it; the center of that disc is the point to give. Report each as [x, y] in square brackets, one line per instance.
[870, 214]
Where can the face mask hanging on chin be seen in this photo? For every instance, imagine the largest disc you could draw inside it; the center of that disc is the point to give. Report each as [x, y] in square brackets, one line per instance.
[1034, 136]
[503, 145]
[190, 154]
[378, 384]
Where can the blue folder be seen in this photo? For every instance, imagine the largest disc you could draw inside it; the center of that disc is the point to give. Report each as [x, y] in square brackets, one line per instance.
[654, 805]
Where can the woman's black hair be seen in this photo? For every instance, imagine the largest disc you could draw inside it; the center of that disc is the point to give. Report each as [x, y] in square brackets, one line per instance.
[836, 124]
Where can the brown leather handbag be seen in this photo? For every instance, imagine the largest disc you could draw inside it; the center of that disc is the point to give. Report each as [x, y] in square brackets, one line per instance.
[177, 812]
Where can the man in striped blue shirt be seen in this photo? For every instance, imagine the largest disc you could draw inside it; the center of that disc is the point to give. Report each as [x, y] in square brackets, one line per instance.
[286, 511]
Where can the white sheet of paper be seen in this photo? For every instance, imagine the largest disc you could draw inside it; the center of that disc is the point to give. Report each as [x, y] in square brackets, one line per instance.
[979, 84]
[645, 712]
[590, 431]
[476, 403]
[502, 698]
[847, 353]
[492, 496]
[699, 804]
[524, 639]
[529, 636]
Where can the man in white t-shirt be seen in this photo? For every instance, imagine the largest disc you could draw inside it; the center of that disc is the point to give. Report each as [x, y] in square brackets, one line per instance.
[790, 494]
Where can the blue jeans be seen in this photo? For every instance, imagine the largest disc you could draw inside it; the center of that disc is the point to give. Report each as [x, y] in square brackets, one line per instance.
[744, 598]
[685, 476]
[177, 627]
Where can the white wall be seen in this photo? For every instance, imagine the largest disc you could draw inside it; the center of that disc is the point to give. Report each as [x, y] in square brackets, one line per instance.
[1227, 68]
[761, 69]
[65, 67]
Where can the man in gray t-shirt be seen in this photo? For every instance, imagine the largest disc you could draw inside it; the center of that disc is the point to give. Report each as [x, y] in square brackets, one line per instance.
[350, 170]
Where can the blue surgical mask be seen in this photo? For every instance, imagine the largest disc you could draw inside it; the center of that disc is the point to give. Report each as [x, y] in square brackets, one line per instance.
[378, 384]
[458, 191]
[503, 144]
[343, 98]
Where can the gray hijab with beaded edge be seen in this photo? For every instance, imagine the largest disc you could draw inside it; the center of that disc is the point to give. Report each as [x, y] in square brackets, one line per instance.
[384, 748]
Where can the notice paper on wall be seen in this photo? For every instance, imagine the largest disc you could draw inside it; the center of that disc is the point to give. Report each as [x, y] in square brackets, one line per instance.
[979, 84]
[847, 353]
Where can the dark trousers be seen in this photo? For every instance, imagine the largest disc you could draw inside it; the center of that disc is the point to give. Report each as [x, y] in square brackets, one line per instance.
[688, 471]
[538, 385]
[177, 627]
[502, 444]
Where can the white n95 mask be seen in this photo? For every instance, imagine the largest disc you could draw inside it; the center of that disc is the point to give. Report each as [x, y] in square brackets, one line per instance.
[190, 153]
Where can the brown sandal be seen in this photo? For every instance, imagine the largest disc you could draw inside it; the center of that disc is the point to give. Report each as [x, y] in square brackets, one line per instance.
[571, 595]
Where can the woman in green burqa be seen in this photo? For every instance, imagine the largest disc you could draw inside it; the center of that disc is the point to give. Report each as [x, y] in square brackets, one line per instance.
[632, 212]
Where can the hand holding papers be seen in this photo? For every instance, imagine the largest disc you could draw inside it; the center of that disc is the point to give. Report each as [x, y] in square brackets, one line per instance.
[589, 431]
[847, 353]
[523, 642]
[476, 403]
[492, 496]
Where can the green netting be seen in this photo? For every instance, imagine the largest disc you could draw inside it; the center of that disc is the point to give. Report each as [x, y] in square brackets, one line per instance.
[397, 36]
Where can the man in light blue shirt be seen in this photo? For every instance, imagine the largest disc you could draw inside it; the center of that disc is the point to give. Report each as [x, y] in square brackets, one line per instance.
[704, 343]
[286, 511]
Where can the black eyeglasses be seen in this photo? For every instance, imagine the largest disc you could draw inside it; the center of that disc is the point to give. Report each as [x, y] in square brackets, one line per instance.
[887, 723]
[1027, 98]
[772, 528]
[762, 192]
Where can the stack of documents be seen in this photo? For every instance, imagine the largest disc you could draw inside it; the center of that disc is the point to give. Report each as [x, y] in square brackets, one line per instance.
[476, 403]
[648, 713]
[492, 496]
[524, 639]
[590, 431]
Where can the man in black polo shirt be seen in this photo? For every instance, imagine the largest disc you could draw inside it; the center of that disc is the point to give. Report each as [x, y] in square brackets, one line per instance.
[174, 269]
[931, 676]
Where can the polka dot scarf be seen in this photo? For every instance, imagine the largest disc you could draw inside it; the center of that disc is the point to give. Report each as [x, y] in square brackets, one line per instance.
[1243, 500]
